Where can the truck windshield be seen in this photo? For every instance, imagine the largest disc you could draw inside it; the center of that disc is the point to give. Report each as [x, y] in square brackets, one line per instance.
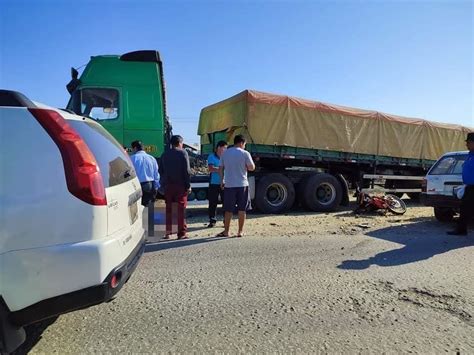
[99, 104]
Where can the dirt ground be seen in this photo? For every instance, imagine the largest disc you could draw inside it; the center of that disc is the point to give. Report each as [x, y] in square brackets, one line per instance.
[297, 283]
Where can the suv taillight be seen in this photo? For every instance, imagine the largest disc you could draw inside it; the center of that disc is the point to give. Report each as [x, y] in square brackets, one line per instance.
[83, 176]
[424, 183]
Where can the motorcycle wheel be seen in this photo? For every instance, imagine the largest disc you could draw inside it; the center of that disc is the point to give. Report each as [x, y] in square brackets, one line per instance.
[395, 204]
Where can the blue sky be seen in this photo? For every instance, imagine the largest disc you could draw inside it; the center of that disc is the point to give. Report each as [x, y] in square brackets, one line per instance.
[411, 58]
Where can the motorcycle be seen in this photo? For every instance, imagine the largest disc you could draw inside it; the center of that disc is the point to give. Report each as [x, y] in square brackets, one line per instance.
[367, 203]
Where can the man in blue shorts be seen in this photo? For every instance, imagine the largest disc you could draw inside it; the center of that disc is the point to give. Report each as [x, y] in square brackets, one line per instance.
[234, 165]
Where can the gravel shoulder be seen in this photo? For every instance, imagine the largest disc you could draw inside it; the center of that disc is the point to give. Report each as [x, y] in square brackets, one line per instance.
[302, 282]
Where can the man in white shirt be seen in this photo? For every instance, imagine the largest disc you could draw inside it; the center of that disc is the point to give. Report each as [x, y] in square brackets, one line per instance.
[234, 165]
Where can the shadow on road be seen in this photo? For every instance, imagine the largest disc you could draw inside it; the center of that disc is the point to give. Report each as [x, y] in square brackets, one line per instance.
[174, 243]
[422, 240]
[34, 334]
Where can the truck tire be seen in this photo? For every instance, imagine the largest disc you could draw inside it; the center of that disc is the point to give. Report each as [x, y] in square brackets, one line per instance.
[275, 194]
[322, 193]
[201, 195]
[444, 214]
[192, 196]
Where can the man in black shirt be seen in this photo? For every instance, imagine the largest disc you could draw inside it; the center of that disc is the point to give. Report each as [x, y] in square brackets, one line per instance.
[175, 176]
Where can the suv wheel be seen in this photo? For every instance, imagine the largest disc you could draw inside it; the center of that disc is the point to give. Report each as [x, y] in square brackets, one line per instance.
[443, 214]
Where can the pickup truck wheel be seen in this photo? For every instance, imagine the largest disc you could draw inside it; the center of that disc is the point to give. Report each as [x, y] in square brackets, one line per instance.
[11, 336]
[322, 192]
[275, 194]
[444, 214]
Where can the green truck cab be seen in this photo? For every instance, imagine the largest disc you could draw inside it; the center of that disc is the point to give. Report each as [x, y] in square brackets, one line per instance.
[126, 94]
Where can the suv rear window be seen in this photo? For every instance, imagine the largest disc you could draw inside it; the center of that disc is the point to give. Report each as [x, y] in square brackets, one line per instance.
[449, 165]
[114, 163]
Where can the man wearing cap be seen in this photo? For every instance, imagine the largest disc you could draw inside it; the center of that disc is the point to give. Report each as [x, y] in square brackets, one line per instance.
[146, 168]
[467, 202]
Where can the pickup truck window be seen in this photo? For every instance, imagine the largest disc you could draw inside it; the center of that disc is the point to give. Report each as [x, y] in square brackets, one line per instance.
[450, 165]
[99, 104]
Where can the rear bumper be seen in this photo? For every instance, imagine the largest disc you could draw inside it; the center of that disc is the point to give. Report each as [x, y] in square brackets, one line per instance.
[82, 298]
[440, 201]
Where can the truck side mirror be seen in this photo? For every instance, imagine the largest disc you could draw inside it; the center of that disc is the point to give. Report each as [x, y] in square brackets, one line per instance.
[74, 83]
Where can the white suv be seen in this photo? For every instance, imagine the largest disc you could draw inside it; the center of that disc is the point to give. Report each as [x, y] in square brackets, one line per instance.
[71, 231]
[442, 178]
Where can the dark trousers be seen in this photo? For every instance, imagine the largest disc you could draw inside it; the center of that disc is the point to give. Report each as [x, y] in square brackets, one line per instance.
[213, 194]
[148, 192]
[176, 199]
[467, 208]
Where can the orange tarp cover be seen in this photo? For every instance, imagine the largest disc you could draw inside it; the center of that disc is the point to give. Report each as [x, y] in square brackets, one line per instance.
[288, 121]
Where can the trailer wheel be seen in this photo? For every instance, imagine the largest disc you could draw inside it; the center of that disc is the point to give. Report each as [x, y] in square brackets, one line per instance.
[201, 195]
[192, 196]
[444, 214]
[275, 194]
[322, 192]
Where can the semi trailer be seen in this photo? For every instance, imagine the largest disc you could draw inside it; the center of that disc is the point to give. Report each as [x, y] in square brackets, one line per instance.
[313, 153]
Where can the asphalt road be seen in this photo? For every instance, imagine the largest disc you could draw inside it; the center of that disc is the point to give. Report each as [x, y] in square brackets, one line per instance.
[407, 288]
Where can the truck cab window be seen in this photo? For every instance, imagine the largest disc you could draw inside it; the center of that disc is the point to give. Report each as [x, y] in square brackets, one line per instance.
[99, 104]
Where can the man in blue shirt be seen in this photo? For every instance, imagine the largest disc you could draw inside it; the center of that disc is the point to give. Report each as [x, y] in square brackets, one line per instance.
[215, 189]
[146, 168]
[467, 202]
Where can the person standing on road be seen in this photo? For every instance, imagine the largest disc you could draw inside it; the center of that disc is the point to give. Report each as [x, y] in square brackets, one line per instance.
[215, 190]
[234, 165]
[146, 168]
[467, 201]
[176, 178]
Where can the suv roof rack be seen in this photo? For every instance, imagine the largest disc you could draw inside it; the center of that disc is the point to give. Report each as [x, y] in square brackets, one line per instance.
[12, 98]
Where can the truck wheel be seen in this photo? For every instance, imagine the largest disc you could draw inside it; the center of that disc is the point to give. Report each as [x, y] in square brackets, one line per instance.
[322, 192]
[192, 196]
[201, 195]
[275, 194]
[444, 214]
